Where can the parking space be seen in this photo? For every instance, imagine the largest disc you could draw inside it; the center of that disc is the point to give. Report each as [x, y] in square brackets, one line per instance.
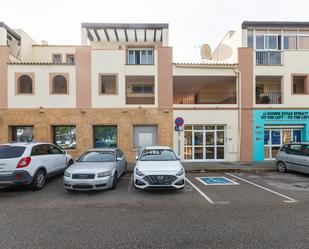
[55, 196]
[241, 188]
[125, 217]
[201, 189]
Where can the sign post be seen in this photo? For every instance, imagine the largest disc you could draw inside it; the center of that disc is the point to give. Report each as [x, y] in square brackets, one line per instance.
[179, 127]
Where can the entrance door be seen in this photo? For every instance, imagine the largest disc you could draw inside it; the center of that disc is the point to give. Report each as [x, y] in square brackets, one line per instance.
[275, 138]
[204, 142]
[145, 136]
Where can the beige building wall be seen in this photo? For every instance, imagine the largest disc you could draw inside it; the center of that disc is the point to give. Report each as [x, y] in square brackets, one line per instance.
[42, 96]
[124, 119]
[295, 62]
[114, 62]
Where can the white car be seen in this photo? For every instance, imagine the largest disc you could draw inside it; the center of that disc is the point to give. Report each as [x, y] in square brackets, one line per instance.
[31, 163]
[96, 169]
[158, 167]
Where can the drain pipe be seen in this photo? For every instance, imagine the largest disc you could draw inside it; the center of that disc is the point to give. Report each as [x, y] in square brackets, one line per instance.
[239, 108]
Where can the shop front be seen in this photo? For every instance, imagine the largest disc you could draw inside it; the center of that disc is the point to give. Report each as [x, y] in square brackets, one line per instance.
[273, 128]
[207, 135]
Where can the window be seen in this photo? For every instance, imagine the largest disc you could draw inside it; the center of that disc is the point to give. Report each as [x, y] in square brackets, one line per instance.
[24, 84]
[108, 84]
[70, 59]
[22, 133]
[142, 88]
[54, 150]
[97, 156]
[59, 84]
[265, 40]
[57, 58]
[306, 150]
[8, 152]
[303, 42]
[299, 84]
[39, 150]
[65, 136]
[143, 56]
[294, 149]
[105, 136]
[290, 42]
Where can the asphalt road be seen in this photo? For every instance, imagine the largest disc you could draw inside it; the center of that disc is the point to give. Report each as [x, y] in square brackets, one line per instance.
[240, 216]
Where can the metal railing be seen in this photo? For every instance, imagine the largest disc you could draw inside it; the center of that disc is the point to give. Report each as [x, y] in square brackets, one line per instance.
[269, 58]
[140, 98]
[205, 98]
[268, 98]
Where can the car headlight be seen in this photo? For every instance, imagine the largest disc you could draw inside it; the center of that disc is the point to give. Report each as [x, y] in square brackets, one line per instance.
[67, 174]
[138, 172]
[180, 172]
[104, 174]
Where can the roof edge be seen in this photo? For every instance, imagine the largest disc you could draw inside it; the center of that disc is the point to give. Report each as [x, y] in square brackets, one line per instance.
[124, 25]
[274, 24]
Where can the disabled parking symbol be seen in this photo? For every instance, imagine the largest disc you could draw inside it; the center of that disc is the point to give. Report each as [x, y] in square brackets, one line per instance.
[216, 181]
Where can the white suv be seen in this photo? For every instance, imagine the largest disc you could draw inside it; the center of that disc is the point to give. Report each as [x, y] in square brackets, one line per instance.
[31, 163]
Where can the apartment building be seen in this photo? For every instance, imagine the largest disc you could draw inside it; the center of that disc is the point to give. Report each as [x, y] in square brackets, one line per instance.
[273, 63]
[115, 89]
[121, 88]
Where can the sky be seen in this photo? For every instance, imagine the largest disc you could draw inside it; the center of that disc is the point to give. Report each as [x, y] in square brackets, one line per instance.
[192, 23]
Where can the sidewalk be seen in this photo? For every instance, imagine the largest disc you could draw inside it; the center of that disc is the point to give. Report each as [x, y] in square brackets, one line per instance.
[230, 166]
[195, 167]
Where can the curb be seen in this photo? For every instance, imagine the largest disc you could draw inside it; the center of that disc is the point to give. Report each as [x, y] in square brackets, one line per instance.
[227, 170]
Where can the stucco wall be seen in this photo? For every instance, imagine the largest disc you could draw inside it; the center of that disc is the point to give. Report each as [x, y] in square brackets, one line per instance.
[228, 118]
[42, 96]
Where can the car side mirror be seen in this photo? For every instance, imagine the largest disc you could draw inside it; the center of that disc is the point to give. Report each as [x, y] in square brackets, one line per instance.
[179, 158]
[119, 159]
[136, 158]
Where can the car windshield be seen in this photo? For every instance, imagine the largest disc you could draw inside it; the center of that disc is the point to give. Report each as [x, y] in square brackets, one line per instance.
[97, 156]
[7, 151]
[158, 155]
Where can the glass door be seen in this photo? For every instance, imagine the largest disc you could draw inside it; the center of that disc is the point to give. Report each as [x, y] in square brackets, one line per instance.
[198, 145]
[275, 138]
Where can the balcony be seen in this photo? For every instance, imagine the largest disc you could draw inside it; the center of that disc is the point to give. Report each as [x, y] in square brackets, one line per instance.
[205, 98]
[140, 98]
[268, 90]
[204, 90]
[140, 90]
[269, 98]
[269, 58]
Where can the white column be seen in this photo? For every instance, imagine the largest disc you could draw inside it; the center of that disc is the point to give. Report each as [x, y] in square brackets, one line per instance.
[165, 37]
[84, 36]
[3, 36]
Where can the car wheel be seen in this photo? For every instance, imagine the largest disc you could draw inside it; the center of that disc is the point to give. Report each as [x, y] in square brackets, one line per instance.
[125, 169]
[39, 180]
[114, 180]
[281, 167]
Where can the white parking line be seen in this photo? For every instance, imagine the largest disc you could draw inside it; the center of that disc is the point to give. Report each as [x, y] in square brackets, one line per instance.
[200, 192]
[289, 199]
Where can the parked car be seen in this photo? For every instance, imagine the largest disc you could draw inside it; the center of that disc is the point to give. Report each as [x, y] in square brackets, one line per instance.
[294, 157]
[96, 169]
[158, 167]
[31, 163]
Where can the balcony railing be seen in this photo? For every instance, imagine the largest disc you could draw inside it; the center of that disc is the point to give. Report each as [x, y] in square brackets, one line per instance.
[140, 98]
[269, 58]
[205, 98]
[269, 98]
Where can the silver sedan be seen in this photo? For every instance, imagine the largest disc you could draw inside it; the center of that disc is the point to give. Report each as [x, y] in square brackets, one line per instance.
[96, 169]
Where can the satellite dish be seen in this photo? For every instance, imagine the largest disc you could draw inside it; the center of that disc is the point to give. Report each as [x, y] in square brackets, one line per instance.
[206, 52]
